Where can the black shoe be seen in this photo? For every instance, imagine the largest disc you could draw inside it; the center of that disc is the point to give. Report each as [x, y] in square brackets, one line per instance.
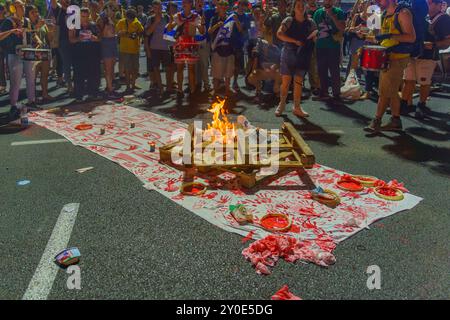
[423, 107]
[14, 113]
[394, 124]
[180, 95]
[405, 109]
[321, 98]
[419, 114]
[374, 125]
[315, 92]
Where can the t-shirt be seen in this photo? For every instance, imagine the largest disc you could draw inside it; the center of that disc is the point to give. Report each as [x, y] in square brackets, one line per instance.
[298, 31]
[437, 31]
[327, 28]
[238, 39]
[85, 33]
[156, 39]
[223, 50]
[188, 23]
[10, 43]
[267, 54]
[128, 43]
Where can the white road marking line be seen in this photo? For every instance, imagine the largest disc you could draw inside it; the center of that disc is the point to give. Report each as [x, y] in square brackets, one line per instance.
[24, 143]
[45, 274]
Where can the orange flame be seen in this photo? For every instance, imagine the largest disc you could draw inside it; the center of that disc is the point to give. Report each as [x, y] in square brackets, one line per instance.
[220, 121]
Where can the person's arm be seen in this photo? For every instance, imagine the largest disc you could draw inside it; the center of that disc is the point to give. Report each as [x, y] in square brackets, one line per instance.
[406, 23]
[73, 36]
[151, 27]
[238, 24]
[201, 24]
[281, 34]
[173, 22]
[6, 34]
[214, 27]
[54, 4]
[121, 28]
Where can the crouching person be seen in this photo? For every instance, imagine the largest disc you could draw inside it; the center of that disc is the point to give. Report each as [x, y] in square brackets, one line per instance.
[266, 64]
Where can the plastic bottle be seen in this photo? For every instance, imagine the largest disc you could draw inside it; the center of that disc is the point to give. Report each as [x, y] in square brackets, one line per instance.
[24, 116]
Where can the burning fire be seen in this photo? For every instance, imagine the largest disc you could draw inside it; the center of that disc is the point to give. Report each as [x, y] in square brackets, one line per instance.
[220, 120]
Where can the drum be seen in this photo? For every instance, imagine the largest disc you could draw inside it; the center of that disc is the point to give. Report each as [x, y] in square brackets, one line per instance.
[186, 51]
[373, 58]
[32, 54]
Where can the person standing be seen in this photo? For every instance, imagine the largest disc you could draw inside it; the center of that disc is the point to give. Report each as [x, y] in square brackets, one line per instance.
[188, 23]
[330, 22]
[298, 33]
[159, 47]
[313, 73]
[41, 40]
[203, 51]
[239, 38]
[421, 70]
[108, 44]
[17, 39]
[86, 63]
[59, 11]
[130, 31]
[397, 31]
[2, 53]
[222, 61]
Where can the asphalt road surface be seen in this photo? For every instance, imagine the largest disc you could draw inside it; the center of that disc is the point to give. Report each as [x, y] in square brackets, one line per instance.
[137, 244]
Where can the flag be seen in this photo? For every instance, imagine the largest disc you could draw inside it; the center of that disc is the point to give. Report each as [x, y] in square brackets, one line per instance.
[224, 35]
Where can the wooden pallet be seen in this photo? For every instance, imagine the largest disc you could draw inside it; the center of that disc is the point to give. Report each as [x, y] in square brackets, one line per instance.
[294, 154]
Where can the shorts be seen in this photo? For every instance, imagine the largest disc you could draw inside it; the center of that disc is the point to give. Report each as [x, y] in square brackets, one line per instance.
[158, 57]
[391, 78]
[222, 67]
[420, 70]
[109, 48]
[288, 64]
[129, 62]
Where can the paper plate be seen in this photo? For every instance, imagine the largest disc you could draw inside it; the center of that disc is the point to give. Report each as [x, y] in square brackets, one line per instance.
[328, 202]
[368, 181]
[193, 189]
[83, 126]
[275, 222]
[389, 193]
[352, 185]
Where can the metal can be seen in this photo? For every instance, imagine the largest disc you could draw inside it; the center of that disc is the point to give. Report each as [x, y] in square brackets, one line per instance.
[132, 125]
[152, 146]
[102, 131]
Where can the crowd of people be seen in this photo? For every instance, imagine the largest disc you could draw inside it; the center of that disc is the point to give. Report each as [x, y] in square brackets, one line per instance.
[270, 45]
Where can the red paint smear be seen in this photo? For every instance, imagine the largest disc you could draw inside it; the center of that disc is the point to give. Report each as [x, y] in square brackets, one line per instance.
[295, 229]
[350, 185]
[248, 237]
[193, 189]
[386, 191]
[274, 222]
[284, 294]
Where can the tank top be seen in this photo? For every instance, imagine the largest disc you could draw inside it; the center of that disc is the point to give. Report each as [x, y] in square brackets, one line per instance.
[388, 26]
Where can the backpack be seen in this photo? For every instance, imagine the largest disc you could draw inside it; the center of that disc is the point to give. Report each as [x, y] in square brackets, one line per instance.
[419, 11]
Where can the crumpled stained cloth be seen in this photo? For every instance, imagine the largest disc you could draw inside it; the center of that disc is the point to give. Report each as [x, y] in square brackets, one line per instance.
[263, 254]
[284, 294]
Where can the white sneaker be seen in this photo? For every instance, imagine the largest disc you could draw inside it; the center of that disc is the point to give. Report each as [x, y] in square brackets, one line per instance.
[280, 109]
[300, 113]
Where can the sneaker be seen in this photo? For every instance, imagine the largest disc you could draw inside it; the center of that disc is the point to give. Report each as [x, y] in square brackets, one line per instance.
[374, 125]
[280, 109]
[405, 109]
[395, 124]
[300, 113]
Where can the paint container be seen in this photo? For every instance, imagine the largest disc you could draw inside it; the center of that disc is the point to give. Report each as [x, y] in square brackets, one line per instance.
[90, 115]
[152, 146]
[68, 257]
[132, 125]
[102, 131]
